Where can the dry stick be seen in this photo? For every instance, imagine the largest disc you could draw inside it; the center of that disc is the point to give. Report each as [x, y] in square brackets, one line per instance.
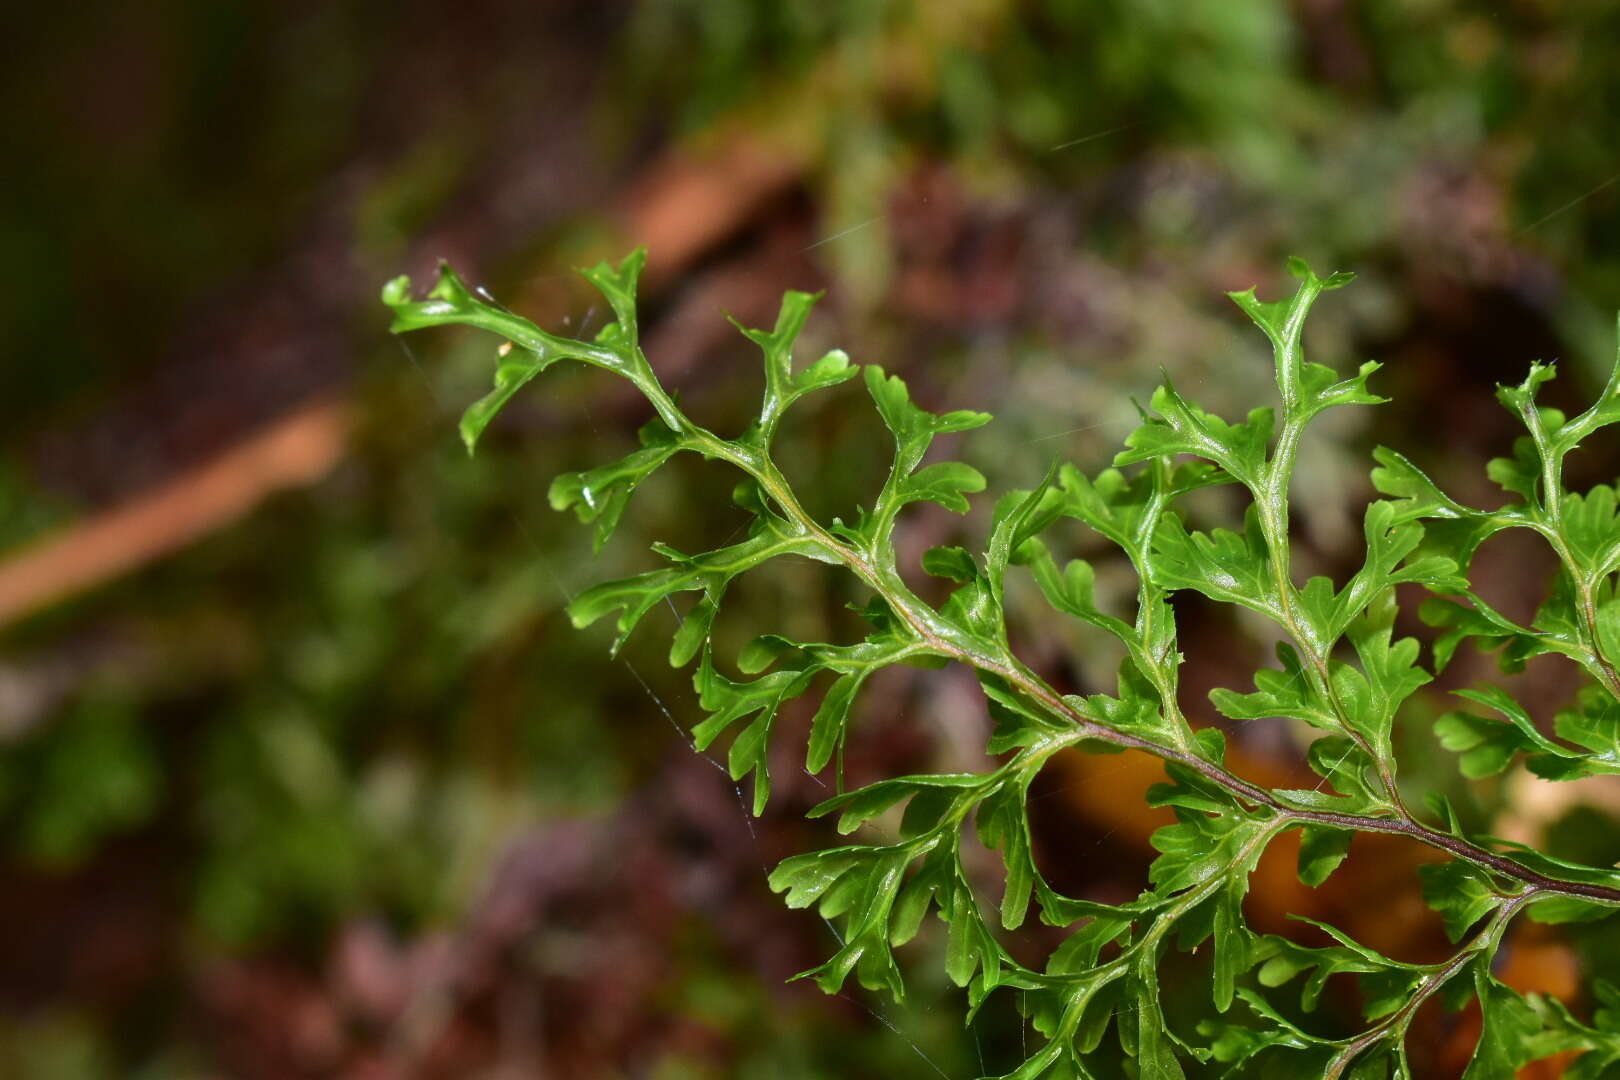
[294, 451]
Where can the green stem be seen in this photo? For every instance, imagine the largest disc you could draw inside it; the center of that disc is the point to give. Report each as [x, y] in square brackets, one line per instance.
[1552, 500]
[1394, 1026]
[941, 638]
[1272, 500]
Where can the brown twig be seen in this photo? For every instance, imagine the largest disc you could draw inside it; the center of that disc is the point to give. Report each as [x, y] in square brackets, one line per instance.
[296, 450]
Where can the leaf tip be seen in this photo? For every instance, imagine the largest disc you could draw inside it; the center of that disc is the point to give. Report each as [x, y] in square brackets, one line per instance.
[397, 291]
[471, 427]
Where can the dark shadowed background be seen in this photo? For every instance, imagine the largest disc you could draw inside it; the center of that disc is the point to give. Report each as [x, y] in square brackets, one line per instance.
[304, 773]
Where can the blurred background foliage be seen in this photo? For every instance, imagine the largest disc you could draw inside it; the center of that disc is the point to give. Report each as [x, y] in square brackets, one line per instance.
[304, 773]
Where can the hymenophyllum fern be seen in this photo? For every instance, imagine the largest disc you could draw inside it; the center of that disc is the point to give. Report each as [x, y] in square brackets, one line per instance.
[1097, 997]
